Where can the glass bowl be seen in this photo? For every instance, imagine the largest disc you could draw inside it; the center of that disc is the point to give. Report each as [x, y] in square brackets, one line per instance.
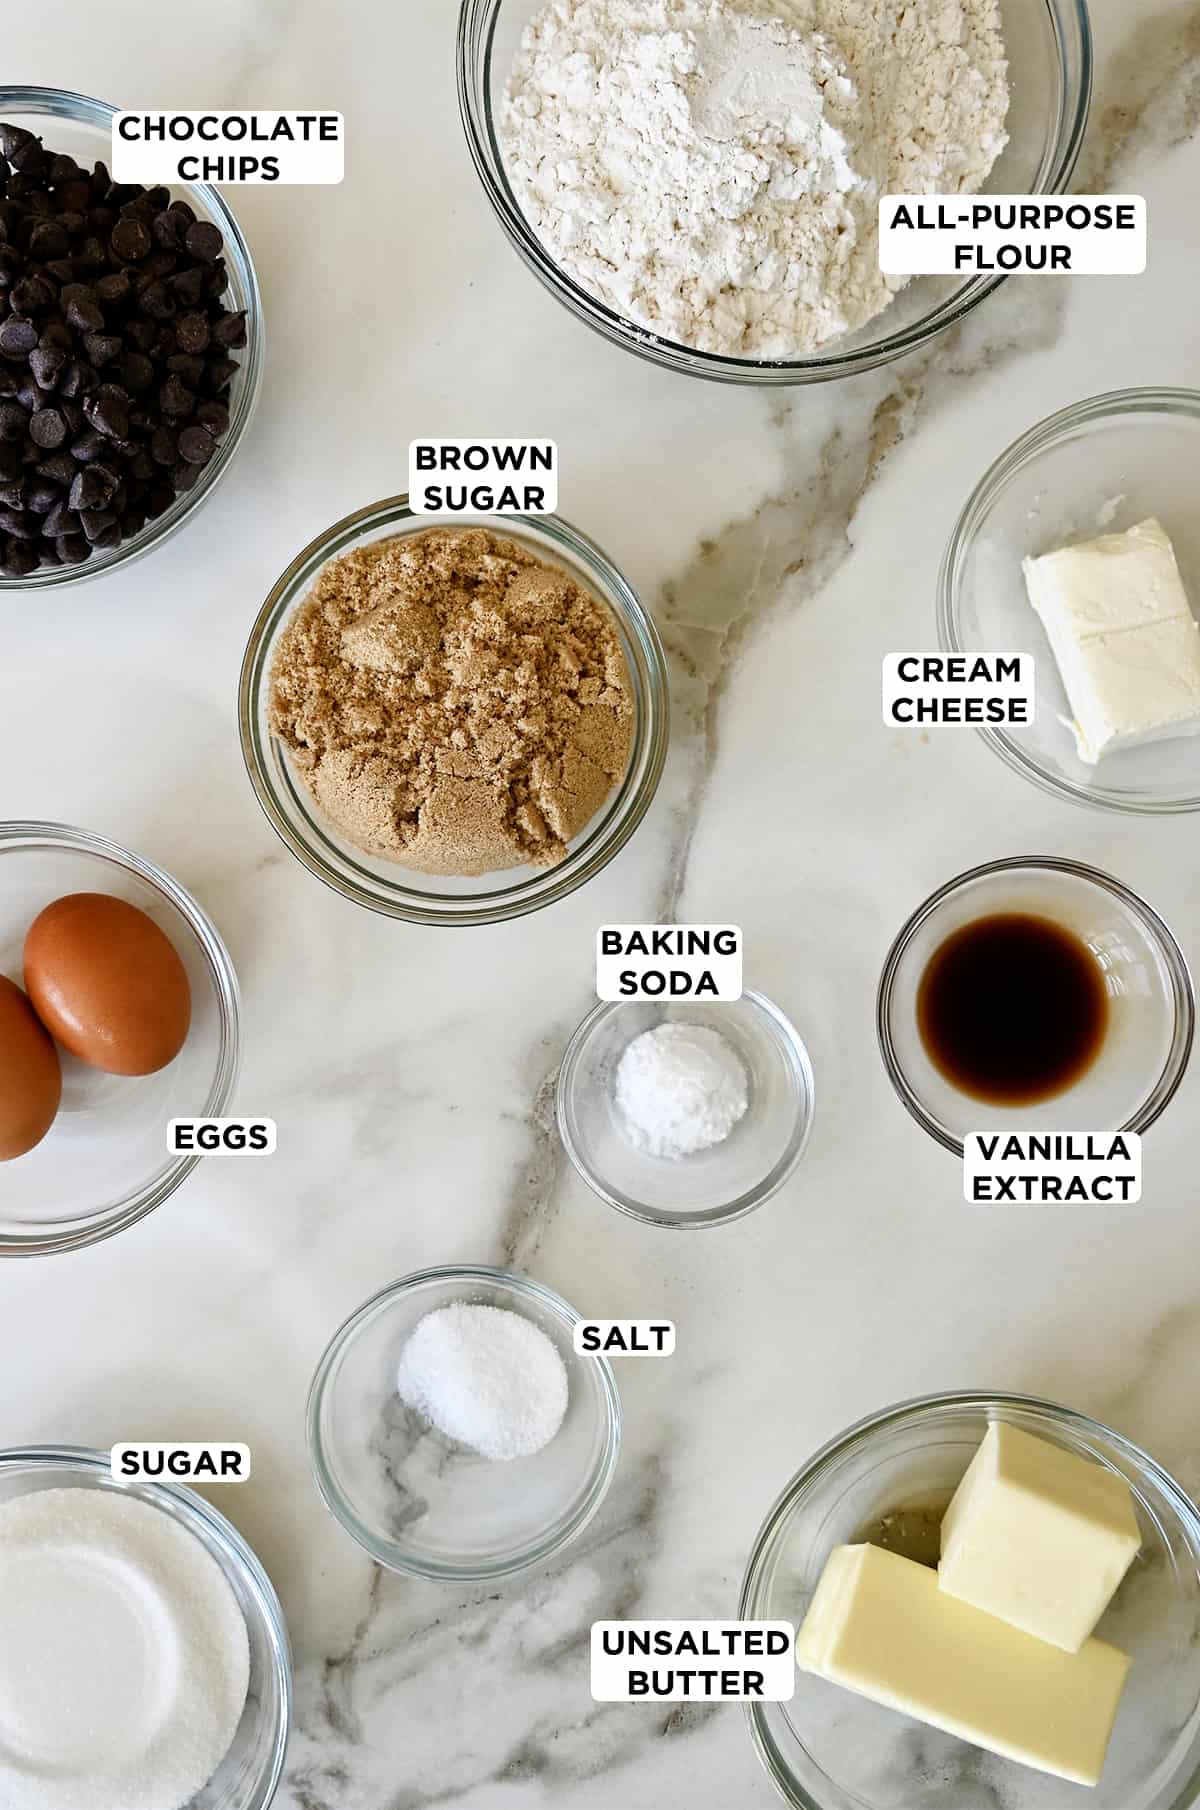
[830, 1750]
[715, 1185]
[1050, 77]
[1151, 1008]
[386, 886]
[416, 1501]
[82, 128]
[1095, 468]
[104, 1163]
[248, 1777]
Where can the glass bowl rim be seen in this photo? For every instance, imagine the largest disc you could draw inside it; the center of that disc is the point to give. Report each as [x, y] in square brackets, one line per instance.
[86, 110]
[79, 1460]
[786, 1039]
[1172, 401]
[1071, 30]
[51, 836]
[387, 1553]
[651, 727]
[1181, 990]
[916, 1410]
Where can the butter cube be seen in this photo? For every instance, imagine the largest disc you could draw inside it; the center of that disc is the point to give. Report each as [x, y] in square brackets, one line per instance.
[1124, 638]
[1038, 1536]
[879, 1625]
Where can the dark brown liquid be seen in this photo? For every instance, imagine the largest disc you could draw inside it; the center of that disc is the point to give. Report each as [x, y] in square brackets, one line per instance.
[1012, 1009]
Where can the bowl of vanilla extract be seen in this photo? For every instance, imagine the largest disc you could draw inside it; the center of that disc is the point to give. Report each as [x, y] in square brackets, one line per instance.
[1035, 992]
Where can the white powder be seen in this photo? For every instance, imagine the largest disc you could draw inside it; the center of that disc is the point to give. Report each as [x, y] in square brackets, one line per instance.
[485, 1377]
[124, 1658]
[711, 169]
[680, 1088]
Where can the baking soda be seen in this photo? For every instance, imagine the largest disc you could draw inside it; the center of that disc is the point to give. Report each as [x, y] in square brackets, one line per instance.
[680, 1088]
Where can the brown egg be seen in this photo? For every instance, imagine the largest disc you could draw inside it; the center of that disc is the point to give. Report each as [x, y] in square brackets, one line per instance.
[30, 1078]
[108, 984]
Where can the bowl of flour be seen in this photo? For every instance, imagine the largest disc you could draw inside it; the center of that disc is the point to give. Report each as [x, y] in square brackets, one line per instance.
[699, 180]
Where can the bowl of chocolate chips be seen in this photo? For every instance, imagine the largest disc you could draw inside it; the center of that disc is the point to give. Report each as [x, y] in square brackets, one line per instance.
[130, 346]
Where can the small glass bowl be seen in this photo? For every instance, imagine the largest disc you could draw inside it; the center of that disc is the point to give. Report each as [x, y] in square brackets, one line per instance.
[713, 1186]
[1050, 75]
[386, 886]
[104, 1163]
[1151, 1007]
[82, 128]
[416, 1501]
[248, 1777]
[1095, 468]
[829, 1749]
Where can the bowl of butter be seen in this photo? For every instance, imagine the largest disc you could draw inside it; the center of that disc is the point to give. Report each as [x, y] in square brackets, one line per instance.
[997, 1602]
[1080, 550]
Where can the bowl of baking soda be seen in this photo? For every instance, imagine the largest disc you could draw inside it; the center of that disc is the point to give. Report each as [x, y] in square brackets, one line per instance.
[454, 1430]
[688, 1114]
[144, 1660]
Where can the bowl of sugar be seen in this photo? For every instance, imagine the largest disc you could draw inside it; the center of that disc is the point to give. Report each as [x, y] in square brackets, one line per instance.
[144, 1658]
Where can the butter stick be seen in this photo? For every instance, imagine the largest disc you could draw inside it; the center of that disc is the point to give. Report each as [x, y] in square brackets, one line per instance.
[879, 1625]
[1038, 1536]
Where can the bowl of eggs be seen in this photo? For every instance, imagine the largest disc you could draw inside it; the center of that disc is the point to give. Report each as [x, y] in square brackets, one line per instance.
[118, 1013]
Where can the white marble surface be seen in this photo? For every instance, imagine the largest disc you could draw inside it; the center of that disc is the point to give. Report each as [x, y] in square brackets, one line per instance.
[785, 541]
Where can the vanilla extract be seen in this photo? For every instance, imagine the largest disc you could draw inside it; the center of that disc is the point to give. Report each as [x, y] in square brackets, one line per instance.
[1012, 1009]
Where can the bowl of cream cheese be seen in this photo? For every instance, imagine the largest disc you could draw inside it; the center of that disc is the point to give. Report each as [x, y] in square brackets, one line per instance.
[1080, 549]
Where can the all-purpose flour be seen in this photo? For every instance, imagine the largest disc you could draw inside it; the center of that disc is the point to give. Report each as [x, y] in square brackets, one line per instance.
[711, 169]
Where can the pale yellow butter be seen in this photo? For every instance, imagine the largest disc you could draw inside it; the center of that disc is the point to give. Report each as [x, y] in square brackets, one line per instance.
[1038, 1536]
[879, 1625]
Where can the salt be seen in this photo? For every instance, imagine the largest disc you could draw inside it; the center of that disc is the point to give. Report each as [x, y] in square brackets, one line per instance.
[680, 1089]
[485, 1377]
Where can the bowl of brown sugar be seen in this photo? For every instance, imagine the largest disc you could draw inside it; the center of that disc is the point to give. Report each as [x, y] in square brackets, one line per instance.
[453, 723]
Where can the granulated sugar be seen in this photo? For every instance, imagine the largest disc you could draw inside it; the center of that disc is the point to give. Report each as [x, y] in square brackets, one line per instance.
[124, 1658]
[485, 1377]
[712, 169]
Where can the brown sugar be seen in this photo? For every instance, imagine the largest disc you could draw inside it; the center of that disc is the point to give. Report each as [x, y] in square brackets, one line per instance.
[453, 702]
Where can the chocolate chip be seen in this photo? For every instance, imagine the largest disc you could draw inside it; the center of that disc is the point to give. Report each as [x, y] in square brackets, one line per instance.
[157, 302]
[13, 421]
[114, 289]
[47, 364]
[131, 239]
[59, 470]
[196, 445]
[100, 347]
[19, 559]
[204, 241]
[188, 285]
[163, 446]
[73, 549]
[17, 336]
[174, 399]
[47, 429]
[31, 295]
[84, 312]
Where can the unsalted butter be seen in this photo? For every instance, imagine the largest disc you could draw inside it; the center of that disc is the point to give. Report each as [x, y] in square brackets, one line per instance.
[1038, 1535]
[1124, 637]
[879, 1625]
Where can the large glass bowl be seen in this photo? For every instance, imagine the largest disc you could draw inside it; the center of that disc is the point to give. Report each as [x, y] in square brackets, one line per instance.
[1050, 76]
[248, 1777]
[1097, 467]
[82, 128]
[416, 1501]
[1151, 1006]
[104, 1163]
[386, 886]
[831, 1750]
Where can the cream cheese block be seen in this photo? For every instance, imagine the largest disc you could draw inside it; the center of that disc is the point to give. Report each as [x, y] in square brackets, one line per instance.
[1038, 1536]
[879, 1625]
[1124, 637]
